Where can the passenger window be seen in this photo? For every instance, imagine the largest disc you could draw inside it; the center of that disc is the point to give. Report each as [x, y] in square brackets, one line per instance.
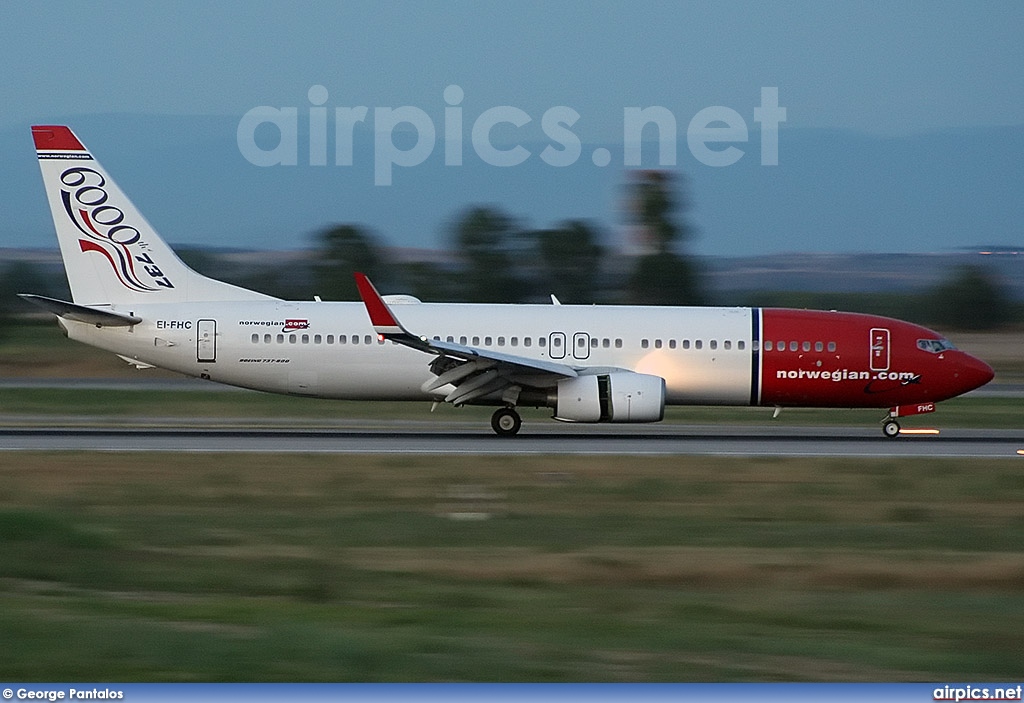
[657, 344]
[644, 343]
[501, 341]
[618, 344]
[698, 344]
[355, 339]
[818, 346]
[305, 339]
[593, 342]
[831, 346]
[487, 341]
[280, 339]
[292, 339]
[713, 344]
[606, 343]
[450, 339]
[368, 339]
[330, 339]
[807, 346]
[476, 341]
[255, 339]
[686, 344]
[514, 341]
[767, 344]
[671, 344]
[542, 342]
[462, 341]
[741, 345]
[527, 341]
[266, 339]
[794, 346]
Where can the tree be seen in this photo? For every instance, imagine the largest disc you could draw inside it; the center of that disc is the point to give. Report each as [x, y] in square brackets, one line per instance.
[20, 277]
[570, 261]
[654, 202]
[486, 239]
[661, 275]
[428, 281]
[664, 279]
[345, 249]
[970, 300]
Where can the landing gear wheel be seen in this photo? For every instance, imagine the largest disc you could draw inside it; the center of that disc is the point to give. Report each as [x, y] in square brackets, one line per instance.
[506, 422]
[891, 429]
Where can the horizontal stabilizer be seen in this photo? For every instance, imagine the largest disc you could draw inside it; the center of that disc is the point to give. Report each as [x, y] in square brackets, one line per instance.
[81, 313]
[135, 362]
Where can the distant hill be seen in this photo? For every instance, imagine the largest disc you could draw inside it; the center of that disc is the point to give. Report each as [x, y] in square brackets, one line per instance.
[832, 192]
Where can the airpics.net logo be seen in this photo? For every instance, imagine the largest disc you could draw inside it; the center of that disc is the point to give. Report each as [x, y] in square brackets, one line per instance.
[714, 135]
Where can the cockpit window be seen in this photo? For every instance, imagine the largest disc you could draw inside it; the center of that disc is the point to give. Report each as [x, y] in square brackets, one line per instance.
[935, 346]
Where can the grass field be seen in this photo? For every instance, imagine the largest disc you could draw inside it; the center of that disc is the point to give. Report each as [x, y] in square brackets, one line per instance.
[222, 567]
[235, 567]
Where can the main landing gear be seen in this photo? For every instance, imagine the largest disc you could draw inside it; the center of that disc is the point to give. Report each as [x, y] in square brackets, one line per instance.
[506, 422]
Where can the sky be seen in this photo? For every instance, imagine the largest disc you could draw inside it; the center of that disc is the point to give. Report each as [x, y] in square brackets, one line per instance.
[885, 70]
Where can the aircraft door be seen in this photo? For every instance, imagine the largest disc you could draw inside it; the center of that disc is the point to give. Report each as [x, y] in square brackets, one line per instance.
[581, 345]
[206, 335]
[556, 345]
[879, 349]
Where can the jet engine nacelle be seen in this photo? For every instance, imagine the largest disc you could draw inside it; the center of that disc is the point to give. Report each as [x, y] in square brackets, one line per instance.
[614, 397]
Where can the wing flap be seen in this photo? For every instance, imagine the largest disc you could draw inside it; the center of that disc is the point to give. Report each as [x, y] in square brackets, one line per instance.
[522, 362]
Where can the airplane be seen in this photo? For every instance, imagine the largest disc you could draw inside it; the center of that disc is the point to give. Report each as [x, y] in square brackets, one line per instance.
[131, 295]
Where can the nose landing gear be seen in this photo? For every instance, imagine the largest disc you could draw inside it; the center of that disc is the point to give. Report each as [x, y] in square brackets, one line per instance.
[891, 429]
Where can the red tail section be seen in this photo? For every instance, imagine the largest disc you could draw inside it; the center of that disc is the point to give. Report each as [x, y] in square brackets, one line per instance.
[55, 138]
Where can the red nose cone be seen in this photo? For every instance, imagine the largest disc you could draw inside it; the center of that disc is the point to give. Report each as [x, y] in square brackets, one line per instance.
[973, 373]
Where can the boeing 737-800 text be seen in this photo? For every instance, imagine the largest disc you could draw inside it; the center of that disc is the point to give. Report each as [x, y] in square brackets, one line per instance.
[596, 363]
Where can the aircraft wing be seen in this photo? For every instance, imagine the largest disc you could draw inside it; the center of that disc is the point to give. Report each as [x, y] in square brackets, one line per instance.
[474, 372]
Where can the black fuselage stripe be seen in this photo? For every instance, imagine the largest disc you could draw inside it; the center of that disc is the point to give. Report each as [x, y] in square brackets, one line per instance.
[755, 356]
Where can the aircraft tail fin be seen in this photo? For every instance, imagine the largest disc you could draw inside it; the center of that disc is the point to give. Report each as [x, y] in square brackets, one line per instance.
[112, 255]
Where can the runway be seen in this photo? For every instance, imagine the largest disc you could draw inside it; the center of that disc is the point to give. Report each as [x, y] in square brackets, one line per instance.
[406, 437]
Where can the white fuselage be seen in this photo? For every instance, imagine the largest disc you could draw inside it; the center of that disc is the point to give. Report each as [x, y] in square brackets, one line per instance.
[331, 350]
[133, 296]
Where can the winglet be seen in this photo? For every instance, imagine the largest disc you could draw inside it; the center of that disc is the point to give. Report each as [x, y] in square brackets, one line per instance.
[383, 320]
